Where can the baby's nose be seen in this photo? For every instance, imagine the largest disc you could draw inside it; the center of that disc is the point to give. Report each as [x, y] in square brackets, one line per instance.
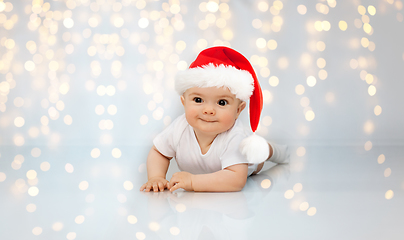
[209, 110]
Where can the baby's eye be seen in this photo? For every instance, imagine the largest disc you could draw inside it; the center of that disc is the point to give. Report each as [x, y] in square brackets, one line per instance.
[197, 100]
[222, 102]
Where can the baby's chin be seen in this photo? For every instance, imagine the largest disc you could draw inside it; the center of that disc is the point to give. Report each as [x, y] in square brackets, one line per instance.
[211, 130]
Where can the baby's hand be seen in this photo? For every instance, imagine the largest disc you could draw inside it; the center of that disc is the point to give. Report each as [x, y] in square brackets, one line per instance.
[156, 183]
[181, 180]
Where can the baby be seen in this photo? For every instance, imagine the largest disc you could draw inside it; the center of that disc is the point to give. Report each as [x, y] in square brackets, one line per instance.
[208, 142]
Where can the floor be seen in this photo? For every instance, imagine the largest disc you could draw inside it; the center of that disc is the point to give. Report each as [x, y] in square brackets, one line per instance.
[80, 193]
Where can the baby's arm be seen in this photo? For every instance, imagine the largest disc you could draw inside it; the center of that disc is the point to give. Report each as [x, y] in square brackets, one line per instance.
[157, 166]
[230, 179]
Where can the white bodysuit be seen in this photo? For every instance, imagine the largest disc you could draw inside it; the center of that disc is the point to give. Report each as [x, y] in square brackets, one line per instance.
[178, 140]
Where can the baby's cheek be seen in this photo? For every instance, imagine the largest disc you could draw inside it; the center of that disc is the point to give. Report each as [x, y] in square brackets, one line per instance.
[190, 115]
[229, 120]
[190, 112]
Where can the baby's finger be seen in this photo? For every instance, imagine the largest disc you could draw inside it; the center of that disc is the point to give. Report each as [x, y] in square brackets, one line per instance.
[161, 186]
[175, 187]
[148, 187]
[143, 187]
[173, 181]
[155, 187]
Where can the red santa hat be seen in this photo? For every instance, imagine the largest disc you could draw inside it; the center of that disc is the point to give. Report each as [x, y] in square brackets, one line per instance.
[225, 67]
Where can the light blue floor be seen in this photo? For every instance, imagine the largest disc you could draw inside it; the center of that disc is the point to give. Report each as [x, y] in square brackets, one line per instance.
[341, 192]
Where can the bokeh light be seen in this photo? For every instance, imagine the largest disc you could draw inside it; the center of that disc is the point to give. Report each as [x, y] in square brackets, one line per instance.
[95, 153]
[57, 226]
[36, 152]
[289, 194]
[283, 63]
[311, 211]
[31, 174]
[302, 9]
[116, 153]
[45, 166]
[128, 185]
[372, 90]
[175, 231]
[266, 183]
[343, 25]
[381, 159]
[3, 176]
[304, 206]
[132, 219]
[301, 151]
[310, 115]
[369, 127]
[273, 81]
[33, 191]
[387, 172]
[389, 194]
[371, 10]
[368, 145]
[37, 231]
[83, 185]
[69, 168]
[311, 81]
[71, 236]
[79, 219]
[180, 207]
[299, 89]
[297, 187]
[31, 208]
[154, 226]
[305, 102]
[140, 235]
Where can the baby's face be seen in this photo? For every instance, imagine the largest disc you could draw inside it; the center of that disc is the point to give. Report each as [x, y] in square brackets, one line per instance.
[211, 110]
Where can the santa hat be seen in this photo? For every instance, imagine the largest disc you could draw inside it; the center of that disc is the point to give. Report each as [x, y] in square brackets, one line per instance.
[225, 67]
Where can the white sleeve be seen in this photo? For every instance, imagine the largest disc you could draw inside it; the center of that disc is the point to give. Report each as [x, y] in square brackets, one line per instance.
[166, 142]
[231, 155]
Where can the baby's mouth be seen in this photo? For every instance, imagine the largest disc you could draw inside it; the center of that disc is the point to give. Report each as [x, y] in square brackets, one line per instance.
[208, 121]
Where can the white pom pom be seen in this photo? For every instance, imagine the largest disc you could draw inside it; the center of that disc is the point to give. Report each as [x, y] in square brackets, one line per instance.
[255, 149]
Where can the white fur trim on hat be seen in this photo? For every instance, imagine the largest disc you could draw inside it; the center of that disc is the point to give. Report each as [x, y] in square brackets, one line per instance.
[239, 82]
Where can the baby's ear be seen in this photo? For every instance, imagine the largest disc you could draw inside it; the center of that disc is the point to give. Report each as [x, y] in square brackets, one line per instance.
[182, 100]
[241, 107]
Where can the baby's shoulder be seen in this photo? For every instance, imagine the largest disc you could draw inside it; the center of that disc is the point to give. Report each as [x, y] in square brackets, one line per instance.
[178, 127]
[180, 122]
[236, 133]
